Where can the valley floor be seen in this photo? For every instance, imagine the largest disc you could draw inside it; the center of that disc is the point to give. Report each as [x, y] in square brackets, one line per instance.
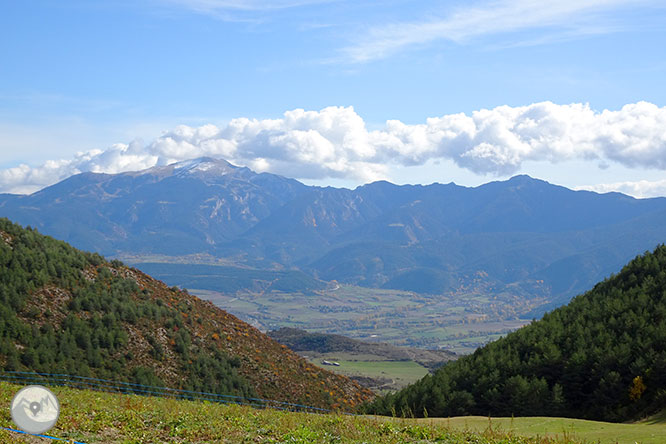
[460, 323]
[93, 417]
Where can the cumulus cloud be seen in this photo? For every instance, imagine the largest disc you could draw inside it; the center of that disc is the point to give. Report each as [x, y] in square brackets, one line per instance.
[335, 143]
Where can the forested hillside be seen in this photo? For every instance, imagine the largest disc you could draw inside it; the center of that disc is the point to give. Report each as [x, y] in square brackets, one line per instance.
[603, 356]
[67, 311]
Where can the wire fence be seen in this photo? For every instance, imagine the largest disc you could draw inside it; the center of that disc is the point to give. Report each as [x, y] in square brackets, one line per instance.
[109, 386]
[106, 385]
[53, 438]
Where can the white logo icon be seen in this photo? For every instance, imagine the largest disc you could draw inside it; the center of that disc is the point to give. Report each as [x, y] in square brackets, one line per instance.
[35, 409]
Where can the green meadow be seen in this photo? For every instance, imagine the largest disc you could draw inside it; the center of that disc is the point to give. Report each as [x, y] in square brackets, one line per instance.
[94, 417]
[649, 431]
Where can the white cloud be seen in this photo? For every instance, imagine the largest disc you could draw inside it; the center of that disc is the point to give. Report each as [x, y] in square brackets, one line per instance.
[562, 17]
[639, 189]
[335, 143]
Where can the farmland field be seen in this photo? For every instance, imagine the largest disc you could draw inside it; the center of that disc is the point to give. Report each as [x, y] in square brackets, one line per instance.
[400, 318]
[459, 321]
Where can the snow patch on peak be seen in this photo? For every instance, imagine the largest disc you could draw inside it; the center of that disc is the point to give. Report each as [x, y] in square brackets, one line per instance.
[206, 168]
[202, 166]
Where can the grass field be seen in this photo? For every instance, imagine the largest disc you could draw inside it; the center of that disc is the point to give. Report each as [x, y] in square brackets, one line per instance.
[390, 375]
[651, 431]
[94, 417]
[405, 371]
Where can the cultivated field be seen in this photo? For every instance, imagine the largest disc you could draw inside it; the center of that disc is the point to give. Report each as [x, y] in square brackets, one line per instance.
[461, 320]
[459, 323]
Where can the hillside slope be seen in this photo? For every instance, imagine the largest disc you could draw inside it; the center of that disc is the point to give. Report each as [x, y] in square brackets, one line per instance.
[67, 311]
[603, 356]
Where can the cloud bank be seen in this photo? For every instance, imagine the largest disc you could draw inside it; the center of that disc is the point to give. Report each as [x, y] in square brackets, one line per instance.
[335, 143]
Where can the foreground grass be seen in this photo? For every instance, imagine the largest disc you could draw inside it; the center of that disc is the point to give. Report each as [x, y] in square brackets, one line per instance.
[651, 431]
[93, 417]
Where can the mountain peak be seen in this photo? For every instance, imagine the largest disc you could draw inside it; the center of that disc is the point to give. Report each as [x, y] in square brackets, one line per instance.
[524, 181]
[199, 167]
[518, 182]
[201, 163]
[523, 178]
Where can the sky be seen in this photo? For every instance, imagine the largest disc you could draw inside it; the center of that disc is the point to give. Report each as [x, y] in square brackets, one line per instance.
[338, 92]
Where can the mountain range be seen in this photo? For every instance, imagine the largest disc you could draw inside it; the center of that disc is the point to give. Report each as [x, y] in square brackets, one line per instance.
[520, 236]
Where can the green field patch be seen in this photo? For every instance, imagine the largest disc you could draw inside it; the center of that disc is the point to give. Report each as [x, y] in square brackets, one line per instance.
[372, 371]
[647, 432]
[403, 372]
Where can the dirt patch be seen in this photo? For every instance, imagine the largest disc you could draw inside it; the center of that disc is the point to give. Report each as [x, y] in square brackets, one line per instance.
[7, 238]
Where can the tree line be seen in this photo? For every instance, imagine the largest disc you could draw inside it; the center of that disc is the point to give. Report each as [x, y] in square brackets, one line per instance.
[603, 356]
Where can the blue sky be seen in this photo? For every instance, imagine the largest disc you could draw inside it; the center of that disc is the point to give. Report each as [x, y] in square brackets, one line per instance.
[112, 81]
